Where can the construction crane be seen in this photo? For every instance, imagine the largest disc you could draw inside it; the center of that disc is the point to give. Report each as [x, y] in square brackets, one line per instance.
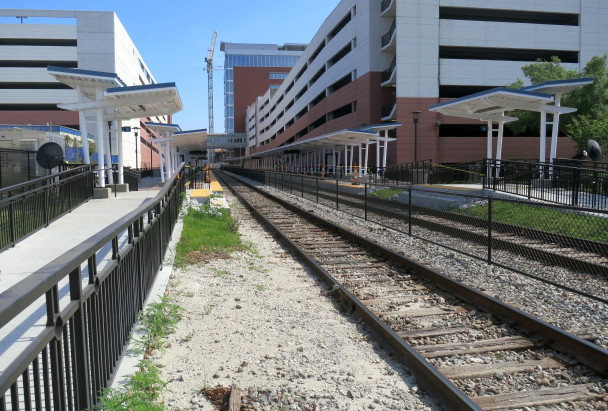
[209, 61]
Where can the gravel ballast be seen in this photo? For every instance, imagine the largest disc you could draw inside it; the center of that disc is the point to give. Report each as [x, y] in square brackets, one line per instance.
[260, 321]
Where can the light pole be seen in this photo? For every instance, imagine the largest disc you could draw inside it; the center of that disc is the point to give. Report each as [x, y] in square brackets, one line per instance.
[136, 131]
[416, 114]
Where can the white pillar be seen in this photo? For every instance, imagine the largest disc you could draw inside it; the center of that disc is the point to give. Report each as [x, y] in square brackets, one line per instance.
[501, 127]
[490, 134]
[366, 158]
[555, 130]
[108, 151]
[121, 172]
[82, 120]
[161, 163]
[100, 141]
[168, 165]
[543, 137]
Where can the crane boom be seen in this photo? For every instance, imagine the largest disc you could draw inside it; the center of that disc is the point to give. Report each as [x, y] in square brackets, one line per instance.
[209, 61]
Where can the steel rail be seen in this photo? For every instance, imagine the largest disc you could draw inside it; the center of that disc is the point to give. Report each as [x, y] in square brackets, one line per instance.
[584, 351]
[429, 377]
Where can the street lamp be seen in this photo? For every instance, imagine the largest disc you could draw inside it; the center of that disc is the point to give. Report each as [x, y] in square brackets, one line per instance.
[416, 114]
[136, 131]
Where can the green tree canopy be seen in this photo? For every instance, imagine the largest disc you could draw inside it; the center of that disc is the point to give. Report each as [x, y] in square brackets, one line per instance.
[591, 101]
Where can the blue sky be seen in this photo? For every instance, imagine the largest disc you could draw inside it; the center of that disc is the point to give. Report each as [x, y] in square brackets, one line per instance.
[173, 37]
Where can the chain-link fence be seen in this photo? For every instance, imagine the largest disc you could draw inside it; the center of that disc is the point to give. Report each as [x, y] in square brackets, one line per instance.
[563, 245]
[18, 166]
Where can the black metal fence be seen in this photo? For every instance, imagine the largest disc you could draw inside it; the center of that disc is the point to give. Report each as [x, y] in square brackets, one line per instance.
[18, 166]
[530, 238]
[88, 301]
[576, 186]
[27, 207]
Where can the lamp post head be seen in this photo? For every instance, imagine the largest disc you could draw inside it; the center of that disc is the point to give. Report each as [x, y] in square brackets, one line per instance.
[135, 130]
[416, 114]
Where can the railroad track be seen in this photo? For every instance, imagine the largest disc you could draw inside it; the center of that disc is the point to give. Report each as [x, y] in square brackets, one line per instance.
[467, 349]
[578, 255]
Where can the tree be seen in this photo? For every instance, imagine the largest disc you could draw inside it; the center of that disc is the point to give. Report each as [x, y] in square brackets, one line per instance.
[591, 101]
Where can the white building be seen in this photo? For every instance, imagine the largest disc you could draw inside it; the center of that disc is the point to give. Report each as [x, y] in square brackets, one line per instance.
[87, 40]
[383, 61]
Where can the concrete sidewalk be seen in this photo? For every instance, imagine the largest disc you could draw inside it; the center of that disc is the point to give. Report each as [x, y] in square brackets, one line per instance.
[45, 245]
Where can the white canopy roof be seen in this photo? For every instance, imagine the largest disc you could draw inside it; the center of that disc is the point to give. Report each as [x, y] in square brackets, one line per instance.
[559, 86]
[336, 140]
[490, 105]
[118, 101]
[191, 140]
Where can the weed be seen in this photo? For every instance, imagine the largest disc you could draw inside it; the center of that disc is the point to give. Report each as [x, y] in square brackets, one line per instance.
[206, 310]
[221, 273]
[259, 287]
[143, 388]
[258, 268]
[386, 193]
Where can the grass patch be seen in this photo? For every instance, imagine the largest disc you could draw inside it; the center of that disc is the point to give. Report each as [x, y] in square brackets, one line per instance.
[221, 273]
[543, 218]
[259, 287]
[142, 391]
[207, 233]
[386, 193]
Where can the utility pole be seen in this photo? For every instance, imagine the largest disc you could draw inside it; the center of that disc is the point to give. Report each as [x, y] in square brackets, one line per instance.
[209, 61]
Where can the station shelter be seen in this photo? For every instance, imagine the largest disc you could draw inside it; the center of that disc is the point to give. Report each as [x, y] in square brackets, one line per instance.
[345, 152]
[495, 106]
[105, 101]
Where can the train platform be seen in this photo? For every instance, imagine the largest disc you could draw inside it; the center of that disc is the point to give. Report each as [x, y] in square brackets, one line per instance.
[47, 244]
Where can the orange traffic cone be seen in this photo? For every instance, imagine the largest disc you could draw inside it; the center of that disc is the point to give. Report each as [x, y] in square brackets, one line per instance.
[355, 179]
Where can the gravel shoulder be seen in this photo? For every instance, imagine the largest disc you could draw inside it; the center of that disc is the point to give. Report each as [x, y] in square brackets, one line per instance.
[260, 321]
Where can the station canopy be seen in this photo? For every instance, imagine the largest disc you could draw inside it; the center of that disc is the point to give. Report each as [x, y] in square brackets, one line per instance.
[120, 102]
[189, 140]
[490, 105]
[337, 140]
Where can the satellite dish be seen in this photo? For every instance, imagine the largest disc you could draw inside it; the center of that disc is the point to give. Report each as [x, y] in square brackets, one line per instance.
[49, 155]
[594, 151]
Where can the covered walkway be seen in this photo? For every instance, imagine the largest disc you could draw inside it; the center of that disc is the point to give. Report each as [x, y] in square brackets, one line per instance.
[345, 152]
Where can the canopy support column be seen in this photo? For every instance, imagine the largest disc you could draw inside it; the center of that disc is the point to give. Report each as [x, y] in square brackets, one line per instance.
[108, 150]
[121, 173]
[543, 137]
[555, 129]
[99, 141]
[82, 121]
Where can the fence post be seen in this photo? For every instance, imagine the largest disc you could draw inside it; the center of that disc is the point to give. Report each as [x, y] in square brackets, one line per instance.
[337, 199]
[302, 186]
[317, 180]
[11, 216]
[409, 215]
[282, 182]
[575, 186]
[46, 206]
[490, 235]
[290, 183]
[365, 201]
[529, 180]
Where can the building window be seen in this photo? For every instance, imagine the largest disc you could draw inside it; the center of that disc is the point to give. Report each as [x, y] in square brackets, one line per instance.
[506, 54]
[275, 86]
[277, 76]
[508, 16]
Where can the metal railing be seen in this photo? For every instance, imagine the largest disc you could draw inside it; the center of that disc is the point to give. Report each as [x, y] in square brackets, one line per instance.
[487, 224]
[27, 207]
[386, 38]
[88, 301]
[576, 186]
[388, 73]
[385, 5]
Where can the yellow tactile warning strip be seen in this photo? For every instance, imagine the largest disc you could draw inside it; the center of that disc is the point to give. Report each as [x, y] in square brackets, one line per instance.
[200, 192]
[215, 186]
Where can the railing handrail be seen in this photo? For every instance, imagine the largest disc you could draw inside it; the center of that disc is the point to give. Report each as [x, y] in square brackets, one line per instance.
[14, 187]
[21, 295]
[545, 165]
